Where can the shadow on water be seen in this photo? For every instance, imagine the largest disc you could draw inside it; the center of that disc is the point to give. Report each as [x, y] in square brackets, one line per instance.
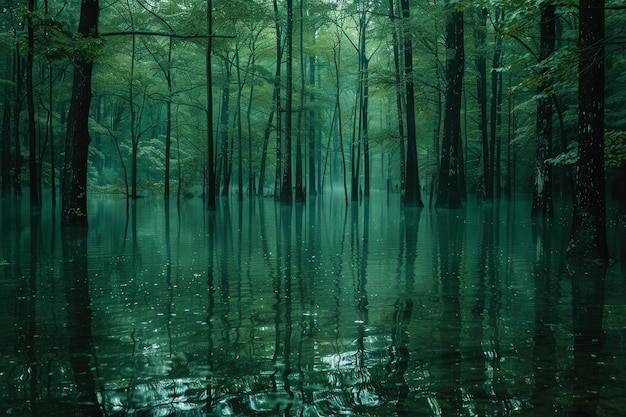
[260, 309]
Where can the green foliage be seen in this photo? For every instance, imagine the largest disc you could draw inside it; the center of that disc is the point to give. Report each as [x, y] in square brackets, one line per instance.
[614, 151]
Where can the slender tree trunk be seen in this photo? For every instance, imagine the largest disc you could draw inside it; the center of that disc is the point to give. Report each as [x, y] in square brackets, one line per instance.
[239, 129]
[211, 192]
[279, 120]
[542, 190]
[364, 122]
[286, 196]
[17, 111]
[399, 106]
[6, 148]
[35, 197]
[313, 129]
[74, 198]
[588, 238]
[168, 128]
[448, 193]
[481, 87]
[496, 99]
[299, 189]
[412, 195]
[224, 129]
[337, 64]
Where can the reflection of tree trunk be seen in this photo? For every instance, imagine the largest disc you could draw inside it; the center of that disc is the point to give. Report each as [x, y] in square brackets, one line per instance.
[449, 361]
[399, 352]
[587, 314]
[31, 330]
[546, 316]
[76, 273]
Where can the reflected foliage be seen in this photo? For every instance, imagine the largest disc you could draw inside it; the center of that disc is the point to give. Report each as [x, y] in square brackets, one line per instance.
[262, 309]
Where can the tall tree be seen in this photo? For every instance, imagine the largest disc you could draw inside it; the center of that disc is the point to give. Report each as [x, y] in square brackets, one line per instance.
[412, 195]
[74, 197]
[480, 33]
[542, 190]
[35, 197]
[211, 203]
[286, 193]
[6, 148]
[588, 237]
[448, 193]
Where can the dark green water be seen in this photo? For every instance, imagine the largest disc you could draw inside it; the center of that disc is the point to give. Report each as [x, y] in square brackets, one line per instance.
[312, 311]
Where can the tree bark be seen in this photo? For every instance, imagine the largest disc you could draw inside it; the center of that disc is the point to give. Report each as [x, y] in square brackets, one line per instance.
[286, 196]
[448, 193]
[211, 189]
[412, 196]
[542, 190]
[35, 197]
[481, 87]
[588, 238]
[74, 197]
[6, 148]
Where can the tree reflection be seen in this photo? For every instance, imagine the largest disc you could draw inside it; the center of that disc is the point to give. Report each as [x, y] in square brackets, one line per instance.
[76, 275]
[448, 363]
[587, 313]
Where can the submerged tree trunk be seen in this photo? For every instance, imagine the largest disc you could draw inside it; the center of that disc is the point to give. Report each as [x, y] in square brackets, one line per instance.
[6, 148]
[542, 190]
[313, 129]
[448, 193]
[412, 196]
[399, 106]
[35, 197]
[286, 196]
[211, 191]
[481, 87]
[74, 197]
[588, 238]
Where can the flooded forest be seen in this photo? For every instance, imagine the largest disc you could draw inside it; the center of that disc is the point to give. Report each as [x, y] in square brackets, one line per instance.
[312, 208]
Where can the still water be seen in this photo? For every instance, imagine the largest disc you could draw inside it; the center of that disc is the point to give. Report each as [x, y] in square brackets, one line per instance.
[316, 310]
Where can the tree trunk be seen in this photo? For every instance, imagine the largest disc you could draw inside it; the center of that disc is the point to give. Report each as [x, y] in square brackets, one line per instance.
[286, 193]
[17, 111]
[299, 189]
[239, 129]
[542, 190]
[496, 100]
[448, 193]
[74, 198]
[412, 195]
[224, 128]
[168, 128]
[279, 120]
[6, 148]
[35, 197]
[481, 87]
[211, 191]
[399, 106]
[312, 189]
[588, 238]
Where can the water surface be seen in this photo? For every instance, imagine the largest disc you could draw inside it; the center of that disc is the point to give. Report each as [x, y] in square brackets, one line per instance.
[314, 310]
